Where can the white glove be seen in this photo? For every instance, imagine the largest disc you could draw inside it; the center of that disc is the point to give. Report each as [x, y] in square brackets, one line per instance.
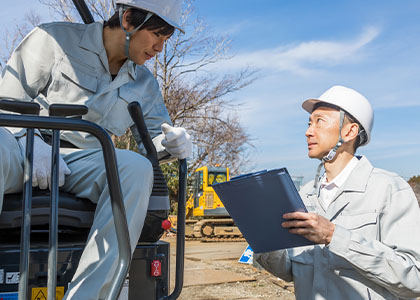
[41, 173]
[176, 141]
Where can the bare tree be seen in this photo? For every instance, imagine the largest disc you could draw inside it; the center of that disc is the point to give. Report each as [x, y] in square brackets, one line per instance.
[201, 108]
[65, 10]
[197, 99]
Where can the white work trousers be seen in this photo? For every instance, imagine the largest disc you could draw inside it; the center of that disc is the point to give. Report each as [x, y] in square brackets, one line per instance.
[88, 180]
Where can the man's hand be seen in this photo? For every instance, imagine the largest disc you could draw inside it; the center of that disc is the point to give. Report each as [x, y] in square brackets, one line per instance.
[310, 225]
[41, 173]
[176, 141]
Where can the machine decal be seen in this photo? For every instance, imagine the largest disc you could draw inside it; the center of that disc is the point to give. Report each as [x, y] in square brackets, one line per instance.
[156, 268]
[12, 277]
[9, 296]
[247, 257]
[41, 293]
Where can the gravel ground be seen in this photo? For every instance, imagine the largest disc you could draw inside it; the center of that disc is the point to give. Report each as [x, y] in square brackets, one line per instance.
[265, 287]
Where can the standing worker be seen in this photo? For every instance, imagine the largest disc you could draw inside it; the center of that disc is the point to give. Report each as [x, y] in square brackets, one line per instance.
[100, 65]
[365, 221]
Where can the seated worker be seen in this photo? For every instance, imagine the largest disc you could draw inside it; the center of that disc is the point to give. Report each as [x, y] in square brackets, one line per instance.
[100, 65]
[365, 221]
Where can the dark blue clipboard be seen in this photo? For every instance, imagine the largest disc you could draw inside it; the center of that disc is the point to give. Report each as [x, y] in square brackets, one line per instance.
[257, 202]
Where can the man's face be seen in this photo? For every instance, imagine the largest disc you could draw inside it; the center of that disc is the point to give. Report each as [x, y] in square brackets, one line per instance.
[322, 133]
[145, 44]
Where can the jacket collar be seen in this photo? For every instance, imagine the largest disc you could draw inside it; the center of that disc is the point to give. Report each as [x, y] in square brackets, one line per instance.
[355, 183]
[92, 40]
[358, 178]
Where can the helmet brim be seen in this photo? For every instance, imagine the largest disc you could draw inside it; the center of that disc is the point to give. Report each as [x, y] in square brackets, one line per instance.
[309, 104]
[173, 24]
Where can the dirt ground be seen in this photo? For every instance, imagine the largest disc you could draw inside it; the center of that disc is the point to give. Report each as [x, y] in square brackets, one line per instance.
[265, 286]
[212, 272]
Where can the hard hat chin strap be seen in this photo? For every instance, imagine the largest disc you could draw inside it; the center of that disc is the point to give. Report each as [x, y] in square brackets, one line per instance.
[331, 154]
[128, 34]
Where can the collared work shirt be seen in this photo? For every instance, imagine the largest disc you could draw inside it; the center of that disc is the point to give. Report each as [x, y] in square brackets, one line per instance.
[328, 190]
[374, 252]
[67, 63]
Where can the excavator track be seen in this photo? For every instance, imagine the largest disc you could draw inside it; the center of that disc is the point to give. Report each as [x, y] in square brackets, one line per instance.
[213, 230]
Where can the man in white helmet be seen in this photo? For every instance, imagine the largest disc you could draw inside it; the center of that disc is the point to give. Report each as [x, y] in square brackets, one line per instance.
[99, 65]
[365, 221]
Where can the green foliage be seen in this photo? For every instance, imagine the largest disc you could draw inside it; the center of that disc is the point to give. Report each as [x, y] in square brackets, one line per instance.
[170, 171]
[414, 180]
[125, 141]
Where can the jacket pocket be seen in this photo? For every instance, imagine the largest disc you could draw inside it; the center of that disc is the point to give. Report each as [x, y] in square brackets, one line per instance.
[121, 119]
[75, 83]
[303, 255]
[364, 225]
[362, 222]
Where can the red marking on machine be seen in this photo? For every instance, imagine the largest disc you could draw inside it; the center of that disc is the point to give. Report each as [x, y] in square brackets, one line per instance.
[166, 225]
[156, 268]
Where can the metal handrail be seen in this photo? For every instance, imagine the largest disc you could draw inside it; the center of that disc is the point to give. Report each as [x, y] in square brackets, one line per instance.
[26, 217]
[180, 235]
[118, 210]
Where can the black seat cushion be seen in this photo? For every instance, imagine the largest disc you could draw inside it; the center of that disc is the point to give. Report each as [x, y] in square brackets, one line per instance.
[75, 216]
[72, 211]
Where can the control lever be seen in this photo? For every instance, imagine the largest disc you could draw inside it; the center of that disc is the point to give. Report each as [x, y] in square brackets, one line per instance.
[136, 114]
[160, 188]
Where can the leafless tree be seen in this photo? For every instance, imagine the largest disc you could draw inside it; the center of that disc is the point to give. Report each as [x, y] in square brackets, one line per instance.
[65, 10]
[197, 99]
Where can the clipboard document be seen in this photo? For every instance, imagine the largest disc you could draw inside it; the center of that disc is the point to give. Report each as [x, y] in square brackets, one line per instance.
[257, 202]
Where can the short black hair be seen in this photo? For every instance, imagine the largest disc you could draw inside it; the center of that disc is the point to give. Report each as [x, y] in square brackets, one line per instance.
[136, 17]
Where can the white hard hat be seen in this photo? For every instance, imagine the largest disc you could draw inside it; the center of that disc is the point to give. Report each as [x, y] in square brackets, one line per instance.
[350, 101]
[169, 10]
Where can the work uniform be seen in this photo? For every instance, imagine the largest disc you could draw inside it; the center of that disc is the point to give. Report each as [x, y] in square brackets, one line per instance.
[374, 252]
[67, 63]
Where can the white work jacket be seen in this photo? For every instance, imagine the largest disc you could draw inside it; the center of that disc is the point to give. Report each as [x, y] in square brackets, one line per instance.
[67, 63]
[375, 249]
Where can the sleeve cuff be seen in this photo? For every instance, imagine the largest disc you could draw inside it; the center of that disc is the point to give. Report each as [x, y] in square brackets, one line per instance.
[21, 132]
[340, 240]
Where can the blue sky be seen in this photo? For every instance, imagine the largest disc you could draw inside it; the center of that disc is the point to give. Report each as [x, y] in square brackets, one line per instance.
[304, 47]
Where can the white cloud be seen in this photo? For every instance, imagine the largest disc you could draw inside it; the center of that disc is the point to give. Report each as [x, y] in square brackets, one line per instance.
[306, 57]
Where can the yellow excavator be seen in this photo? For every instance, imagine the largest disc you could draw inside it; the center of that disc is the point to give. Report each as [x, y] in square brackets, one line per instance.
[207, 218]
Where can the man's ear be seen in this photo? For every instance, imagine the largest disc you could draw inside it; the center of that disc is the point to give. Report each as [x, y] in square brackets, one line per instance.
[125, 23]
[350, 131]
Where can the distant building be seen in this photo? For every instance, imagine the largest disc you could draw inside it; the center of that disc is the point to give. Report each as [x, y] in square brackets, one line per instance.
[297, 180]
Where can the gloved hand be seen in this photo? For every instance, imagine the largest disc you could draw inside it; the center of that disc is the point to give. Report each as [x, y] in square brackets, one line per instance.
[41, 173]
[176, 141]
